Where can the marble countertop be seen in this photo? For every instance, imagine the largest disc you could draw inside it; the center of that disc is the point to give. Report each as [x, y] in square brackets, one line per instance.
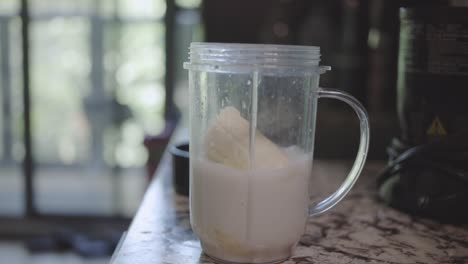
[358, 230]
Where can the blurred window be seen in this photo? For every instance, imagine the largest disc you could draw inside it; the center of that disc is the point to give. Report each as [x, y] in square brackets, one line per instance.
[97, 74]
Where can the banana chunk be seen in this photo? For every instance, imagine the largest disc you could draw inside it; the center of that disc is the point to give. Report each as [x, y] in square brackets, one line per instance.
[227, 142]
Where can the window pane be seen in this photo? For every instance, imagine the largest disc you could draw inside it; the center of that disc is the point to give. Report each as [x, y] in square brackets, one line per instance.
[60, 70]
[61, 6]
[16, 94]
[140, 73]
[11, 122]
[188, 3]
[9, 7]
[97, 90]
[3, 79]
[134, 65]
[154, 9]
[107, 7]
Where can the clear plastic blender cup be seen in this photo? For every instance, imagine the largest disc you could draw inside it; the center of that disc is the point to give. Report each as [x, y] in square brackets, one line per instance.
[252, 125]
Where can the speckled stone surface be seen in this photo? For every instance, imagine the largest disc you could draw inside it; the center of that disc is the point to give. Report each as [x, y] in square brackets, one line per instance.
[358, 230]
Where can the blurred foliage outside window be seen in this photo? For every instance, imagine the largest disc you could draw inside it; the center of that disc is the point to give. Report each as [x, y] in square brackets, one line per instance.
[97, 70]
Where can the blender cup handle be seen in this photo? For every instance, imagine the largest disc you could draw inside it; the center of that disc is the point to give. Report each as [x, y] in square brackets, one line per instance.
[339, 194]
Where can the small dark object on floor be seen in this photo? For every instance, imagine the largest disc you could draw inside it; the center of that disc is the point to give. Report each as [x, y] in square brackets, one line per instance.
[79, 243]
[87, 247]
[45, 244]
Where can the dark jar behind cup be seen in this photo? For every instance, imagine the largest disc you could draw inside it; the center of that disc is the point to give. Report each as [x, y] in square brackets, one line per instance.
[432, 72]
[428, 172]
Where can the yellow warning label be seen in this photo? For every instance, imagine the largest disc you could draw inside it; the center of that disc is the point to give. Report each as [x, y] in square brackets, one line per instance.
[436, 128]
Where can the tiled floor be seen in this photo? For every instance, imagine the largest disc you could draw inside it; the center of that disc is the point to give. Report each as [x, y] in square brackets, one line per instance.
[16, 253]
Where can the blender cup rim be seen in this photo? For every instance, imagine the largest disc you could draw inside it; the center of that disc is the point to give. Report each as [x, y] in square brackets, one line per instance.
[229, 57]
[285, 70]
[253, 46]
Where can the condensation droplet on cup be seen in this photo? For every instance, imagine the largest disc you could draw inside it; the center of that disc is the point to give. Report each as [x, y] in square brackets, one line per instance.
[244, 106]
[249, 82]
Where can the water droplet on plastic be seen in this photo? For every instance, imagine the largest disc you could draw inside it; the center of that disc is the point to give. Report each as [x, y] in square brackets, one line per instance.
[249, 82]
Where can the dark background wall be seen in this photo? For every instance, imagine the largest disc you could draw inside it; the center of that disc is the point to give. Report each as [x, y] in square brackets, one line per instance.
[358, 38]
